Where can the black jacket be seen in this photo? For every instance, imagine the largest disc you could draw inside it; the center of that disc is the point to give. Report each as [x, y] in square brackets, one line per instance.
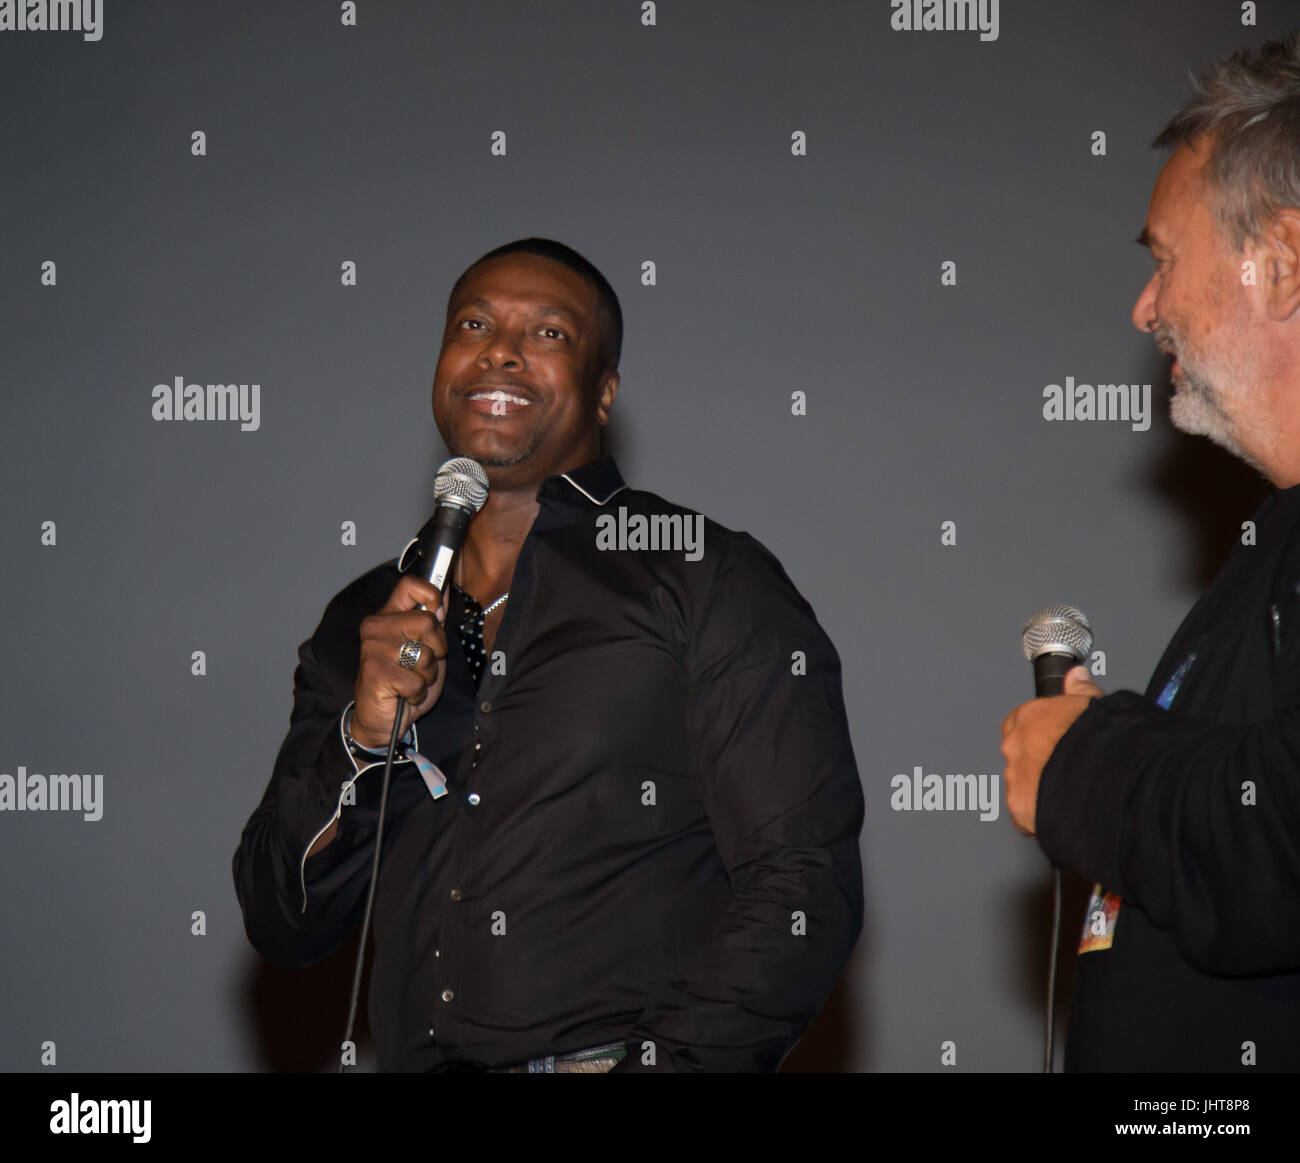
[1191, 815]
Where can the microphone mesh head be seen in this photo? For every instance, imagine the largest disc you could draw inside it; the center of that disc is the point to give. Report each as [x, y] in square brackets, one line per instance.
[461, 482]
[1057, 630]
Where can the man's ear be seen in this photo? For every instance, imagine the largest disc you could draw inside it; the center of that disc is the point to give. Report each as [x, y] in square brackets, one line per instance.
[1280, 254]
[605, 396]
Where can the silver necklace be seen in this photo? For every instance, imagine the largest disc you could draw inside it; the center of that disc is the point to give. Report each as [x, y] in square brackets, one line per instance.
[460, 585]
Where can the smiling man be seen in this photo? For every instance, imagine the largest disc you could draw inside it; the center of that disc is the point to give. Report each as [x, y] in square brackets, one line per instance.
[647, 856]
[1184, 805]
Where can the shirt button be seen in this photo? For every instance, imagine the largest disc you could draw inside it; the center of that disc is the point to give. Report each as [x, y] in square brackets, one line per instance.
[485, 706]
[437, 953]
[474, 798]
[478, 746]
[455, 894]
[431, 1038]
[447, 995]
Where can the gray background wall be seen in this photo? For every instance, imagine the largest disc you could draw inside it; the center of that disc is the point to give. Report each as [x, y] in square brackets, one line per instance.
[775, 273]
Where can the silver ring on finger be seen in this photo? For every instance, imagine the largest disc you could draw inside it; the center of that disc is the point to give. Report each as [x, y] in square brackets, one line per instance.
[409, 655]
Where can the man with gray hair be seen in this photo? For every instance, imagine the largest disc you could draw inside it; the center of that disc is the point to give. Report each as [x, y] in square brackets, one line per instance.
[1184, 804]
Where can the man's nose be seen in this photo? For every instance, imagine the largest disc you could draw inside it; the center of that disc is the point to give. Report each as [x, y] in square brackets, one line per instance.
[504, 348]
[1144, 310]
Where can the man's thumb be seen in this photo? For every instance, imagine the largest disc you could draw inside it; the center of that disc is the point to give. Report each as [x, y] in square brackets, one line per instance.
[1078, 681]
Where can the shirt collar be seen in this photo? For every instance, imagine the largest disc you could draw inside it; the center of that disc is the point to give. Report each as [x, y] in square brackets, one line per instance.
[592, 484]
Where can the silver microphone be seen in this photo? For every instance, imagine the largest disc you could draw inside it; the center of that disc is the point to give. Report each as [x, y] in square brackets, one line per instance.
[460, 490]
[1055, 639]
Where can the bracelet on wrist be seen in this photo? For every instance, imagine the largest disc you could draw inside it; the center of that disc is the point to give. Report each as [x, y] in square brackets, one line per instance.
[352, 743]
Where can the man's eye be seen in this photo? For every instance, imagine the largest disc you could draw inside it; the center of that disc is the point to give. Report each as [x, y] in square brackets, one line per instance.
[553, 333]
[471, 323]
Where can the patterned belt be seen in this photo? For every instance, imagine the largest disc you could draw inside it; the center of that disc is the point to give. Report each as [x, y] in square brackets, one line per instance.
[597, 1060]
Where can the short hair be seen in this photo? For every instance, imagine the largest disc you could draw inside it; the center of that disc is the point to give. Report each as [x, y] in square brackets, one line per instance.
[1249, 106]
[608, 312]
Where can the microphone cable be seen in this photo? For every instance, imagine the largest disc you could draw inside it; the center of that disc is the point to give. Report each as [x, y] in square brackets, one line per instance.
[460, 490]
[374, 878]
[1050, 1039]
[1055, 639]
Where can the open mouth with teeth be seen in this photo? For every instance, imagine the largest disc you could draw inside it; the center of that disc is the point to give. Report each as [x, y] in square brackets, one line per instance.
[498, 402]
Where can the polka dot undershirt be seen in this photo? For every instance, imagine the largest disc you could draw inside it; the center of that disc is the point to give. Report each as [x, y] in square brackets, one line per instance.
[471, 635]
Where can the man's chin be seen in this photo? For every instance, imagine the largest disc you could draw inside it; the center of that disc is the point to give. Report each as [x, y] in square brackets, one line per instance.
[1192, 415]
[489, 461]
[492, 454]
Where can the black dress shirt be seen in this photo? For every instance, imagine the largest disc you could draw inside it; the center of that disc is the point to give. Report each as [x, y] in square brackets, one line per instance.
[651, 831]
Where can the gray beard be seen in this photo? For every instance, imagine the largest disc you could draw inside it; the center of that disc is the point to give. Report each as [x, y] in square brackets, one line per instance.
[1195, 409]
